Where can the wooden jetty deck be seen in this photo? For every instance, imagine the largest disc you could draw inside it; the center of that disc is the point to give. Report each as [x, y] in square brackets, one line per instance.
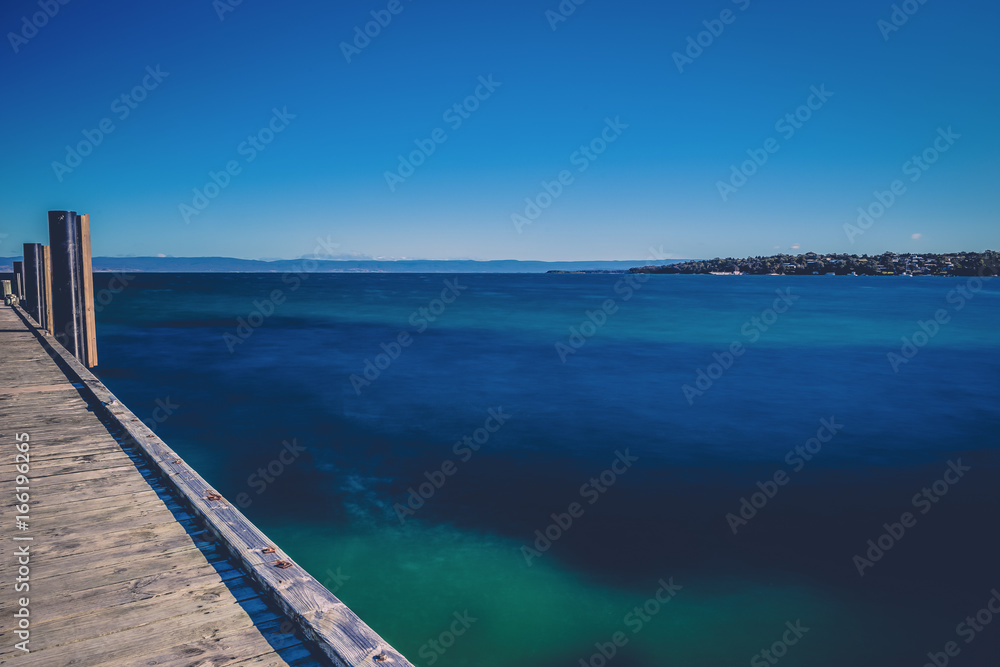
[133, 558]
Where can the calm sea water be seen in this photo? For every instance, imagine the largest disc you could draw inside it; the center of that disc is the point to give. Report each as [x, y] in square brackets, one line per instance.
[334, 500]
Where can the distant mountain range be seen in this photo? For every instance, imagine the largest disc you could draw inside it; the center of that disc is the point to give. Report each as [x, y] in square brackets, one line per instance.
[232, 265]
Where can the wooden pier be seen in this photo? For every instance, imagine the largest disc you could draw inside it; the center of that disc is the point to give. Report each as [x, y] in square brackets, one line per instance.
[134, 559]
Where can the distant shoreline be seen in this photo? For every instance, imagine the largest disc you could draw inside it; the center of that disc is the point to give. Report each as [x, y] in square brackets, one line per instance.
[815, 264]
[326, 265]
[764, 275]
[886, 264]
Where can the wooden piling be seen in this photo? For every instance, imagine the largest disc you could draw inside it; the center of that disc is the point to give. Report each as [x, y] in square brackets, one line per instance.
[87, 271]
[19, 280]
[33, 284]
[66, 279]
[46, 291]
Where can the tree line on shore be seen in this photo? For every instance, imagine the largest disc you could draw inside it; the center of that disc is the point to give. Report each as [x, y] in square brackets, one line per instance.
[887, 264]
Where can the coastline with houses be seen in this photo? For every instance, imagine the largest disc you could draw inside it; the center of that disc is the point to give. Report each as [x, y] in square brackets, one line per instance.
[985, 263]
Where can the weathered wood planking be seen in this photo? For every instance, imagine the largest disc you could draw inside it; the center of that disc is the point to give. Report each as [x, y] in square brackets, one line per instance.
[87, 279]
[121, 572]
[47, 288]
[343, 637]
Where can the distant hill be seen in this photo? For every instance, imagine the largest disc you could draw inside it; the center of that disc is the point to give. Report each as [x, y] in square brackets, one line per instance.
[232, 265]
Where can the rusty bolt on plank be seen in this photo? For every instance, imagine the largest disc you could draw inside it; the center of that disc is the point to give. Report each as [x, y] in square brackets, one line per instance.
[212, 495]
[283, 564]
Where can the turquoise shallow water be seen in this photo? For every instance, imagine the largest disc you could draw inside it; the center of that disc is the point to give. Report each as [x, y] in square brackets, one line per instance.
[336, 505]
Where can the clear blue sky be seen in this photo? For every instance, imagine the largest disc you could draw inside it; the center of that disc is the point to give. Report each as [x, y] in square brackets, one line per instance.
[657, 184]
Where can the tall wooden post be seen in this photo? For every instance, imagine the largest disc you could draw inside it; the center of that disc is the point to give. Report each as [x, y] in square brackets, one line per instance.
[46, 291]
[33, 281]
[19, 280]
[89, 322]
[67, 280]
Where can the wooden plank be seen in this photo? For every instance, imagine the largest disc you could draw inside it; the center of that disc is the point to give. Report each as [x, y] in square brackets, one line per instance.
[75, 591]
[157, 643]
[117, 472]
[105, 524]
[48, 467]
[47, 289]
[95, 573]
[77, 445]
[36, 389]
[76, 544]
[140, 603]
[126, 604]
[59, 491]
[118, 558]
[57, 494]
[89, 324]
[110, 476]
[49, 509]
[84, 492]
[99, 515]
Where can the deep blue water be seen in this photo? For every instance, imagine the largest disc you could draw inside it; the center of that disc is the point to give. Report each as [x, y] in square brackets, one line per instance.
[236, 393]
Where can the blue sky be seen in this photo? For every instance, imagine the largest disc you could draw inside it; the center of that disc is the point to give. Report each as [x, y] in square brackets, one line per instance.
[551, 91]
